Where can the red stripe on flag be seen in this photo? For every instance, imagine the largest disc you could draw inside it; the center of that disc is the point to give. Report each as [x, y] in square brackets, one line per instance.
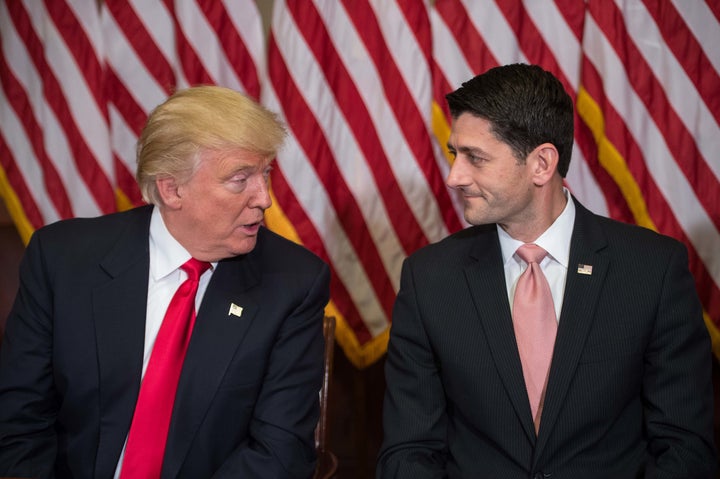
[189, 60]
[20, 103]
[358, 118]
[309, 135]
[17, 182]
[407, 116]
[679, 140]
[233, 45]
[441, 87]
[476, 52]
[416, 18]
[530, 41]
[124, 102]
[573, 11]
[80, 48]
[311, 239]
[617, 205]
[87, 166]
[658, 208]
[620, 137]
[147, 50]
[688, 52]
[714, 7]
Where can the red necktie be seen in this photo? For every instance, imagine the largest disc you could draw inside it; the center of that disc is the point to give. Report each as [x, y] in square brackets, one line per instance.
[535, 326]
[149, 429]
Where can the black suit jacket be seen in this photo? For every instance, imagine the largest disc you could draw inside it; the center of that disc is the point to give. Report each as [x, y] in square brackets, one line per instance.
[629, 392]
[70, 363]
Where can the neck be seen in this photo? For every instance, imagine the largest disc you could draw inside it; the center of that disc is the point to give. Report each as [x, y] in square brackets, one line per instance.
[540, 216]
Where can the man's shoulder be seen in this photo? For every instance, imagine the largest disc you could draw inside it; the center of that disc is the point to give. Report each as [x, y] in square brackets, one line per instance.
[118, 219]
[633, 236]
[88, 238]
[273, 247]
[457, 245]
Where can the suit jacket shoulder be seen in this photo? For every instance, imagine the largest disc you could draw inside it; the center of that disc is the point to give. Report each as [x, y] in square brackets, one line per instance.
[454, 249]
[89, 239]
[280, 253]
[629, 235]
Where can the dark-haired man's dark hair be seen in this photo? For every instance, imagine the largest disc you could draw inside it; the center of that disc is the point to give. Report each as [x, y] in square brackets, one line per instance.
[525, 105]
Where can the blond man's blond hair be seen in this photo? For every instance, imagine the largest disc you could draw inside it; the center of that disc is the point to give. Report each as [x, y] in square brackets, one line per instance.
[198, 120]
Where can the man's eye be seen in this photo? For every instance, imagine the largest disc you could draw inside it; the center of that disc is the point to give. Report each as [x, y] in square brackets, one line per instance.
[238, 182]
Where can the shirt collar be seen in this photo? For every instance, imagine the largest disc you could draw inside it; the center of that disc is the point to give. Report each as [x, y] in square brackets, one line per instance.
[166, 254]
[555, 240]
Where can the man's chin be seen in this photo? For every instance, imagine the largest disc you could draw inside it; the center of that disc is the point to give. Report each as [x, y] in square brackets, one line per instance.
[474, 217]
[245, 246]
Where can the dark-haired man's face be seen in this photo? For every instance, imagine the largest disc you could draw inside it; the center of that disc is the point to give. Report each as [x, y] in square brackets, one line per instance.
[494, 186]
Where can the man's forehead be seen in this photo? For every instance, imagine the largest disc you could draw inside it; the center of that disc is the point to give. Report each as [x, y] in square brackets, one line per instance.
[238, 159]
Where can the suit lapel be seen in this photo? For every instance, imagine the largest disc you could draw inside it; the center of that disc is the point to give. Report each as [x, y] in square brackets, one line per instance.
[119, 309]
[580, 299]
[486, 278]
[216, 337]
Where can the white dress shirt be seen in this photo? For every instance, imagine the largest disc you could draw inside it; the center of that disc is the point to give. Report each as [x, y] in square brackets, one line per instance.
[164, 278]
[556, 241]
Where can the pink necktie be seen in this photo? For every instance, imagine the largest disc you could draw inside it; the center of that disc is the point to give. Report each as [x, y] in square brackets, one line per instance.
[535, 326]
[149, 429]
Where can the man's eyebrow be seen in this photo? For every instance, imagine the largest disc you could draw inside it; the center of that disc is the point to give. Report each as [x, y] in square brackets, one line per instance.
[242, 169]
[246, 169]
[467, 150]
[250, 168]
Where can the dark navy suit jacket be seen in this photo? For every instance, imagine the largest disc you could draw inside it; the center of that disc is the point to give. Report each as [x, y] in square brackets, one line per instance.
[70, 363]
[629, 393]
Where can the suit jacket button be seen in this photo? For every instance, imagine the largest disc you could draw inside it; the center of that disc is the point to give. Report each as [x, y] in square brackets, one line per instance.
[542, 475]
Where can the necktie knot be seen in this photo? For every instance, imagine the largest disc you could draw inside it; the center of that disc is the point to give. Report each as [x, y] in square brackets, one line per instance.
[531, 253]
[195, 268]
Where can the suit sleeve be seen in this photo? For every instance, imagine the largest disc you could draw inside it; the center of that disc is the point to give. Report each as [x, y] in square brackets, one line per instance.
[28, 403]
[677, 384]
[414, 415]
[281, 440]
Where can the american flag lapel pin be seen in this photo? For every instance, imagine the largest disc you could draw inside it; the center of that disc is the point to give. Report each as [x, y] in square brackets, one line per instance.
[235, 310]
[584, 269]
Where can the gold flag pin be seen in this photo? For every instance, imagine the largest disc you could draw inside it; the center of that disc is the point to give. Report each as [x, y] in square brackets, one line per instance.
[235, 310]
[585, 269]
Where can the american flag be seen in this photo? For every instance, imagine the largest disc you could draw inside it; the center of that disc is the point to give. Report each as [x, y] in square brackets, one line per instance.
[361, 85]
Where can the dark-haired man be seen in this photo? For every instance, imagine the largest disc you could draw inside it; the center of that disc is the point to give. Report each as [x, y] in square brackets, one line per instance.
[546, 341]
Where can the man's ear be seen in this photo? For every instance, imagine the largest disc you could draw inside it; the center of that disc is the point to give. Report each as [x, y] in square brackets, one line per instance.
[545, 162]
[168, 189]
